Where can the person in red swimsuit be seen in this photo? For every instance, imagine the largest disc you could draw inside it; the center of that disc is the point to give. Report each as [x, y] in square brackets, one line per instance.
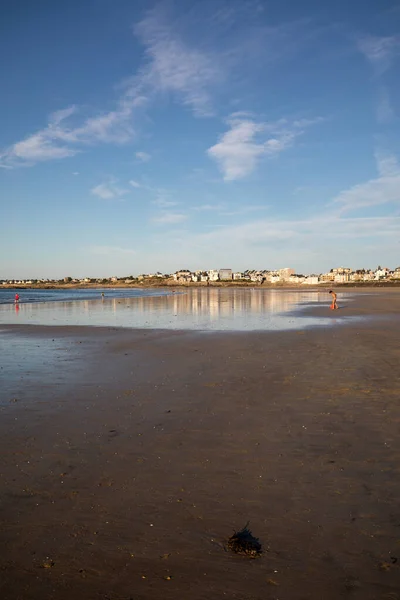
[16, 298]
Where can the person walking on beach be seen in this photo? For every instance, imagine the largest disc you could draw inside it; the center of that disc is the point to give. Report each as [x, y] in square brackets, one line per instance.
[16, 298]
[334, 305]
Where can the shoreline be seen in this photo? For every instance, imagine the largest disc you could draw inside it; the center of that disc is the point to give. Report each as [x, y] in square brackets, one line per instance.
[213, 284]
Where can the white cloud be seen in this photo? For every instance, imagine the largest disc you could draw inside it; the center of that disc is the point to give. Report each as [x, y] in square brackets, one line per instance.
[143, 156]
[171, 66]
[75, 173]
[270, 231]
[387, 164]
[236, 153]
[169, 218]
[383, 189]
[59, 140]
[108, 191]
[274, 242]
[60, 115]
[379, 51]
[134, 183]
[38, 147]
[175, 67]
[239, 149]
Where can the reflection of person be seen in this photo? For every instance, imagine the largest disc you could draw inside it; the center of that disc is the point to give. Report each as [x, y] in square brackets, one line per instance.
[16, 298]
[334, 305]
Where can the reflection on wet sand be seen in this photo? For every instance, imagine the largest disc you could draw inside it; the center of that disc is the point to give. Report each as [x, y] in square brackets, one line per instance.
[193, 309]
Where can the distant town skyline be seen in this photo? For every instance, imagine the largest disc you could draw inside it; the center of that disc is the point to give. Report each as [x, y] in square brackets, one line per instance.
[139, 135]
[286, 274]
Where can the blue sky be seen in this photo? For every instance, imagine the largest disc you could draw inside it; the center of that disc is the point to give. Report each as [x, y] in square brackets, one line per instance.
[140, 136]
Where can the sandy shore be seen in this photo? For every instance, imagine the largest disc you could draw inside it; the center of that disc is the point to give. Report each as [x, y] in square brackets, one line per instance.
[129, 457]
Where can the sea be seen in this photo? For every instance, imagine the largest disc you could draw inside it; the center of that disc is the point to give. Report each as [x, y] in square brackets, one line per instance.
[7, 295]
[201, 309]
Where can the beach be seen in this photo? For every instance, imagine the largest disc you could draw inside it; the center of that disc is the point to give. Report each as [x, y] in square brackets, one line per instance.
[130, 456]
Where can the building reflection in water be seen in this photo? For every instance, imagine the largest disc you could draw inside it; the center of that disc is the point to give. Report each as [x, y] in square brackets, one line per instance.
[199, 308]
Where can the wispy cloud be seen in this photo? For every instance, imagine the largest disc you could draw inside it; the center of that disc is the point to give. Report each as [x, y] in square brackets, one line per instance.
[171, 66]
[109, 190]
[383, 189]
[239, 149]
[169, 218]
[59, 139]
[113, 251]
[163, 197]
[379, 51]
[176, 67]
[143, 156]
[297, 243]
[387, 164]
[134, 183]
[226, 210]
[48, 144]
[384, 111]
[36, 148]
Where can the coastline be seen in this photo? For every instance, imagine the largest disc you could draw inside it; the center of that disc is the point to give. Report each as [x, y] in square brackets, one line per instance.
[125, 478]
[213, 284]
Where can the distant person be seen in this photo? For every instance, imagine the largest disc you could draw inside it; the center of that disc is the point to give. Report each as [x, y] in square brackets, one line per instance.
[102, 294]
[334, 305]
[16, 298]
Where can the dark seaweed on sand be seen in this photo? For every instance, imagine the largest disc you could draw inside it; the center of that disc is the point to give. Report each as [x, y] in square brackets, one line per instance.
[244, 542]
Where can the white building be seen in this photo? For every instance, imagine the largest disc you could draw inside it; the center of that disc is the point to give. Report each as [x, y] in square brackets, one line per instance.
[311, 280]
[296, 279]
[381, 273]
[285, 273]
[225, 274]
[213, 275]
[342, 277]
[182, 275]
[274, 278]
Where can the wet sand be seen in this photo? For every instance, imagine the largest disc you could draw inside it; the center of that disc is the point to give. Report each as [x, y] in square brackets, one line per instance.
[128, 465]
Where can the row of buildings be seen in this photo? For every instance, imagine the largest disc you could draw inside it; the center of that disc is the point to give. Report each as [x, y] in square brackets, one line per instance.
[286, 275]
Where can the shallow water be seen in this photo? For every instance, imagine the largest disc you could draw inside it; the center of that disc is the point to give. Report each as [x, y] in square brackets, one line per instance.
[73, 294]
[195, 309]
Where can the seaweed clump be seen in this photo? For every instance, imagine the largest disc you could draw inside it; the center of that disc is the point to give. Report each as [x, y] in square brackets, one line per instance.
[243, 542]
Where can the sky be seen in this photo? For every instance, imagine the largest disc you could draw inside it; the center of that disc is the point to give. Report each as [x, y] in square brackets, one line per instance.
[247, 134]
